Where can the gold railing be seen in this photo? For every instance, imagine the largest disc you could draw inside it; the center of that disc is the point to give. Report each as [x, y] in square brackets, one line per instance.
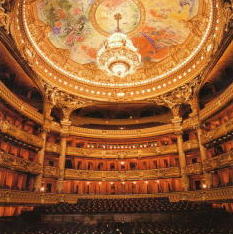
[19, 134]
[21, 197]
[217, 104]
[19, 164]
[33, 114]
[122, 134]
[54, 148]
[195, 168]
[51, 171]
[220, 161]
[122, 175]
[20, 105]
[218, 132]
[124, 153]
[190, 145]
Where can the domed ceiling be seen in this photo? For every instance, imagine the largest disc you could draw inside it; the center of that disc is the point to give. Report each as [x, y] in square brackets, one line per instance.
[61, 38]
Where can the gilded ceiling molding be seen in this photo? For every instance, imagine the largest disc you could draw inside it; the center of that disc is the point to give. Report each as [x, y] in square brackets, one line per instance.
[67, 102]
[178, 96]
[184, 61]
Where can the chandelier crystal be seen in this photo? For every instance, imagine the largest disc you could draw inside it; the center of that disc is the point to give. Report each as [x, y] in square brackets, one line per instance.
[118, 56]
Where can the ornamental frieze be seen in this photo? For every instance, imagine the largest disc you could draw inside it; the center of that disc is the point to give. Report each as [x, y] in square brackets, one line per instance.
[19, 134]
[20, 164]
[122, 175]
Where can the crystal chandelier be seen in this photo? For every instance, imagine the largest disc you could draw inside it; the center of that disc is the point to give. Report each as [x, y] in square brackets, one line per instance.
[118, 56]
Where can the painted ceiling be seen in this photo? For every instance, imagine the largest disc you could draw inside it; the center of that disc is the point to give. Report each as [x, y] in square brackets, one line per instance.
[60, 40]
[82, 26]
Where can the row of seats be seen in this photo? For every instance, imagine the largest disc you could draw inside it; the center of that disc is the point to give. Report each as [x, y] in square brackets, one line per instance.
[115, 228]
[93, 206]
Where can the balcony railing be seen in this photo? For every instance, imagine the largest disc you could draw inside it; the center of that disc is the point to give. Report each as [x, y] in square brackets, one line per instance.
[122, 175]
[20, 105]
[53, 148]
[216, 104]
[124, 153]
[19, 164]
[51, 172]
[220, 161]
[195, 168]
[19, 134]
[190, 145]
[121, 134]
[218, 132]
[33, 198]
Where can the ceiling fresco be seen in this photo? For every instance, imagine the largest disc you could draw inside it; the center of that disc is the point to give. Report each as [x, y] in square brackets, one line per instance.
[60, 39]
[82, 26]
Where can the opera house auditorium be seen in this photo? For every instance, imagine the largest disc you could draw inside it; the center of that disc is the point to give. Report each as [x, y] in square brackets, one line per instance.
[116, 116]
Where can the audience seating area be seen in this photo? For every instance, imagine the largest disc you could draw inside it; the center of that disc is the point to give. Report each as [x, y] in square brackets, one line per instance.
[117, 228]
[140, 205]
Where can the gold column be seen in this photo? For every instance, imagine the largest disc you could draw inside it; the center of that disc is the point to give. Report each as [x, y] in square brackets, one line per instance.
[62, 157]
[195, 113]
[207, 176]
[182, 160]
[41, 156]
[61, 164]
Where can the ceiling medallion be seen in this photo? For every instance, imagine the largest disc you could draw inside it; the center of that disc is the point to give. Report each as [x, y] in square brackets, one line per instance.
[118, 56]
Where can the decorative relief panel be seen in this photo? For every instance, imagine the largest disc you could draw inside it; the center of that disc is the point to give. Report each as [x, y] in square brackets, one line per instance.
[13, 131]
[20, 164]
[132, 153]
[218, 132]
[193, 169]
[122, 175]
[220, 161]
[51, 171]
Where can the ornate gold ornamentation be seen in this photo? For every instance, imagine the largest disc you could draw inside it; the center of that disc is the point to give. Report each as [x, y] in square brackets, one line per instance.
[13, 197]
[92, 86]
[220, 161]
[122, 175]
[218, 132]
[28, 138]
[19, 164]
[178, 96]
[4, 17]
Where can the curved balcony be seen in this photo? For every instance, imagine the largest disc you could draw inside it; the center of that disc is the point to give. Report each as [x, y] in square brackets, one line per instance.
[131, 153]
[218, 132]
[21, 197]
[122, 175]
[220, 161]
[20, 105]
[19, 164]
[123, 134]
[217, 104]
[19, 134]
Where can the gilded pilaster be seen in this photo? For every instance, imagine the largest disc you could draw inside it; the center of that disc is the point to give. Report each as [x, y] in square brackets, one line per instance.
[41, 156]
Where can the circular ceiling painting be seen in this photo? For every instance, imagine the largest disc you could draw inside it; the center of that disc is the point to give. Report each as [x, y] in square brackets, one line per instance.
[82, 26]
[67, 34]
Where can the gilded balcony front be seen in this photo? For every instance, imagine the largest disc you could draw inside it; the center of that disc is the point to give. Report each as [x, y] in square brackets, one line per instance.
[220, 161]
[19, 134]
[19, 164]
[122, 175]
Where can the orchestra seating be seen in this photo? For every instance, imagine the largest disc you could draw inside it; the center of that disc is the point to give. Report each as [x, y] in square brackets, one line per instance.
[134, 205]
